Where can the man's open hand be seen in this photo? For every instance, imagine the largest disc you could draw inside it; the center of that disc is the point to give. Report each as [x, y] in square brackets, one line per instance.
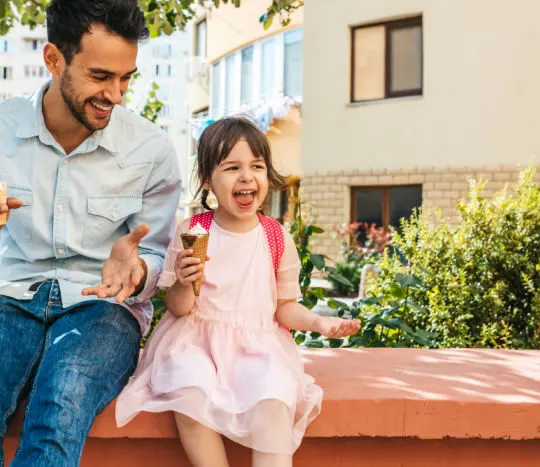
[124, 271]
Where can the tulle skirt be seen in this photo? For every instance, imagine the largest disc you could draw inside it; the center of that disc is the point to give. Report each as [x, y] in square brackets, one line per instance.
[244, 380]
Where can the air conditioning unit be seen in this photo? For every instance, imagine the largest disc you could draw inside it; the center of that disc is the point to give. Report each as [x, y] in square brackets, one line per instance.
[198, 71]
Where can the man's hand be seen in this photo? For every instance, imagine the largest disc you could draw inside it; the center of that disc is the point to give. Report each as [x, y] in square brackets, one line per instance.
[335, 328]
[124, 271]
[11, 203]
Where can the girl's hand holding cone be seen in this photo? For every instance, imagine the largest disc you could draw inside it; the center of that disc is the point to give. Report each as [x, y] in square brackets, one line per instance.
[188, 268]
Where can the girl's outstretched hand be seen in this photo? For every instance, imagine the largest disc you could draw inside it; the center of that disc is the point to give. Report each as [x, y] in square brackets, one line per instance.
[335, 328]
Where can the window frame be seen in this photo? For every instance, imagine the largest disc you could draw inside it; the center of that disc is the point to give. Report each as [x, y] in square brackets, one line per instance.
[388, 27]
[197, 43]
[386, 200]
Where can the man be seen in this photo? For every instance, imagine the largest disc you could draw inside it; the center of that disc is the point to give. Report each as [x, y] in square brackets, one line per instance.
[93, 191]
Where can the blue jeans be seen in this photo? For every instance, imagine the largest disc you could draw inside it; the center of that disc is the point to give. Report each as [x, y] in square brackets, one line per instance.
[72, 361]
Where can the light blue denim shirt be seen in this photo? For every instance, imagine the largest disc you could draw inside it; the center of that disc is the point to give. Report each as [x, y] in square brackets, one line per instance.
[77, 205]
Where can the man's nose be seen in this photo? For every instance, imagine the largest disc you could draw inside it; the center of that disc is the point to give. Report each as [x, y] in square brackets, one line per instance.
[113, 93]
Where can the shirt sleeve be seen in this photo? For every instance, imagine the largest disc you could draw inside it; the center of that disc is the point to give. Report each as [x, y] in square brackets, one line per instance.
[288, 275]
[160, 201]
[168, 276]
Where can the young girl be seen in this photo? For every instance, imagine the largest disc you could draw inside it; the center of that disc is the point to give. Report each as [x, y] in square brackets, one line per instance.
[224, 361]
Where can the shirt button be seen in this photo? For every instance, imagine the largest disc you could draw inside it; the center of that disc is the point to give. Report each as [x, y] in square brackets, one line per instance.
[65, 162]
[61, 251]
[60, 208]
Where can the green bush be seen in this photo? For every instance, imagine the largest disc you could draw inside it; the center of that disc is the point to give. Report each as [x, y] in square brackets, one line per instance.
[481, 278]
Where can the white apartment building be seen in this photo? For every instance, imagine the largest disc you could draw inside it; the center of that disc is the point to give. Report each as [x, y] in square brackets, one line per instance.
[164, 61]
[22, 70]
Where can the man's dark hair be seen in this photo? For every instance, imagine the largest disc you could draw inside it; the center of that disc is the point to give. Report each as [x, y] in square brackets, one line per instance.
[69, 20]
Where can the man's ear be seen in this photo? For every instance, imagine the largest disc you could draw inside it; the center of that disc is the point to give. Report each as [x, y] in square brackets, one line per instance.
[54, 59]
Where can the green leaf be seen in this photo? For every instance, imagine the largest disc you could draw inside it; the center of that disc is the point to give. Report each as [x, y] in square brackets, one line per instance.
[314, 344]
[408, 280]
[315, 335]
[342, 280]
[336, 304]
[316, 229]
[335, 343]
[268, 21]
[318, 261]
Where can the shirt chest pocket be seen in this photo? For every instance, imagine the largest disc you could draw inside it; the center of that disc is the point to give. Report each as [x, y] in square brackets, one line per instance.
[106, 217]
[20, 220]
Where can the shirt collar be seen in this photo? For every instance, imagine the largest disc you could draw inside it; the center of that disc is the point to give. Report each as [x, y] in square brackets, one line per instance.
[35, 126]
[31, 126]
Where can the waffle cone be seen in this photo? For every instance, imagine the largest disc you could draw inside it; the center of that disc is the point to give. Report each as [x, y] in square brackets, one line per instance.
[199, 245]
[3, 200]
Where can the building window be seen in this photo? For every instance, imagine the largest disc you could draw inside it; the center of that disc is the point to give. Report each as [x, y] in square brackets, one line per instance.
[165, 111]
[4, 45]
[293, 63]
[163, 69]
[6, 73]
[387, 60]
[201, 39]
[246, 79]
[162, 50]
[384, 206]
[229, 82]
[216, 84]
[33, 45]
[268, 66]
[35, 71]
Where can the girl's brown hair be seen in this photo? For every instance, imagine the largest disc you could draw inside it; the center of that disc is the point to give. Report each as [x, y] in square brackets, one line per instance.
[218, 140]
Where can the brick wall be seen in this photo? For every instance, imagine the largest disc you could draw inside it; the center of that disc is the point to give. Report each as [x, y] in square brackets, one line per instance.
[328, 193]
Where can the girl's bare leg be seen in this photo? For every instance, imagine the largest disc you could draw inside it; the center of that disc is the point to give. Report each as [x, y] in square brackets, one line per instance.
[262, 459]
[204, 447]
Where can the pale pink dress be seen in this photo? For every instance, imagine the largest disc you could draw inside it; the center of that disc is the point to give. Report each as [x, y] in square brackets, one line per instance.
[228, 364]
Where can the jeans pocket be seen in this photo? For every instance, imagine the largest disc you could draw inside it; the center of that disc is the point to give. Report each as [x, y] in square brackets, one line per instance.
[105, 214]
[20, 220]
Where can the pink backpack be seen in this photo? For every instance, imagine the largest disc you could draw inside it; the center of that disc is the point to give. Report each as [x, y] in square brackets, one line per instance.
[272, 230]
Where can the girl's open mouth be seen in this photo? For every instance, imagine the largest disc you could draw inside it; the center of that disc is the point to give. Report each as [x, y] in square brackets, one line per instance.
[245, 198]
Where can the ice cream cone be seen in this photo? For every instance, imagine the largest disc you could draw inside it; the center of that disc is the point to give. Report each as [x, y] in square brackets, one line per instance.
[3, 200]
[199, 245]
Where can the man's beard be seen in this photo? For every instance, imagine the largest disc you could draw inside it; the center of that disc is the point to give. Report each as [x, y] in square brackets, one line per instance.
[76, 108]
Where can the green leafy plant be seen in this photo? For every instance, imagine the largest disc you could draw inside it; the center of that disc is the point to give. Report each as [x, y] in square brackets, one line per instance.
[302, 232]
[152, 105]
[482, 277]
[383, 318]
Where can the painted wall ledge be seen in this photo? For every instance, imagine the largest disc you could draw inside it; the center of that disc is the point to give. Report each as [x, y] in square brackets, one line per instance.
[399, 393]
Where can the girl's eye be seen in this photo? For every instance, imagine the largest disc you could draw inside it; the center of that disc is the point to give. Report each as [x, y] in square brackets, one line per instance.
[231, 168]
[259, 166]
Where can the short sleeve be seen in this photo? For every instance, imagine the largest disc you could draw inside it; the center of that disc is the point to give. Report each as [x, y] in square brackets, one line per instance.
[168, 276]
[287, 280]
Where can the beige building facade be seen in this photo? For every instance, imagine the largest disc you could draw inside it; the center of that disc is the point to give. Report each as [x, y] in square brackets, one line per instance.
[405, 99]
[239, 68]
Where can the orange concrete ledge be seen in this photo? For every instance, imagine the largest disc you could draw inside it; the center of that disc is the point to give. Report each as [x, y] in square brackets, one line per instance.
[441, 407]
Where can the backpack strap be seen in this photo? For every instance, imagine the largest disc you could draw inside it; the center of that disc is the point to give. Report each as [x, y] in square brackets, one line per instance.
[203, 218]
[275, 238]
